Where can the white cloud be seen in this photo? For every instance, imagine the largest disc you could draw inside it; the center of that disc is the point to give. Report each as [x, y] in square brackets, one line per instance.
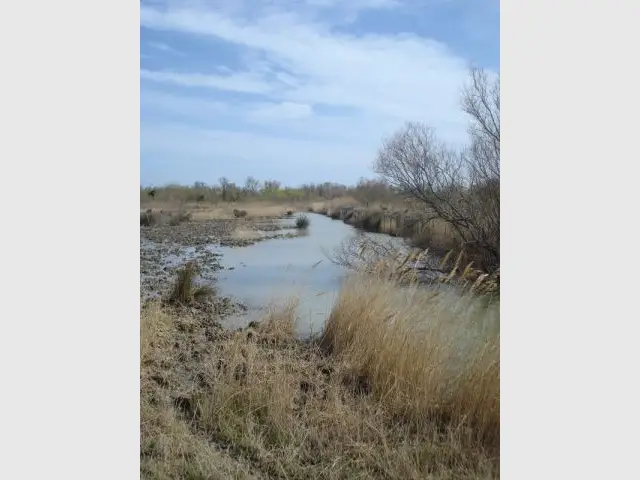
[302, 68]
[238, 82]
[189, 106]
[165, 48]
[280, 111]
[402, 76]
[354, 4]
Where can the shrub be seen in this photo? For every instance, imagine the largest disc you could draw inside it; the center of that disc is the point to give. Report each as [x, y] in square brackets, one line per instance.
[302, 222]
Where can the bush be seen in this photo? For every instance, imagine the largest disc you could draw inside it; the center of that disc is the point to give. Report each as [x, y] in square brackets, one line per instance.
[302, 222]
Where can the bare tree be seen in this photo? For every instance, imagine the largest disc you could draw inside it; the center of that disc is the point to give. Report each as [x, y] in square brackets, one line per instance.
[224, 188]
[251, 186]
[458, 186]
[272, 185]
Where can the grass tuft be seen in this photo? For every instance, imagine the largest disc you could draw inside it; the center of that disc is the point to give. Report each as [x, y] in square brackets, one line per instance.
[185, 291]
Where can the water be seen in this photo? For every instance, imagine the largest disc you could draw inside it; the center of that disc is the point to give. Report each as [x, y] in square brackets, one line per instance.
[273, 272]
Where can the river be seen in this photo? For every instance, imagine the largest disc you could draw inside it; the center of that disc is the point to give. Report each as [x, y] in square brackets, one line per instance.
[273, 272]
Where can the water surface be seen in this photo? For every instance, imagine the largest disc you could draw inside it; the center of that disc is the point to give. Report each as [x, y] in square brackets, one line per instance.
[275, 271]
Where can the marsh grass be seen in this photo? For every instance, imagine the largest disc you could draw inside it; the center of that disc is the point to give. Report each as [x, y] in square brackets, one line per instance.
[225, 211]
[150, 218]
[402, 384]
[185, 291]
[431, 357]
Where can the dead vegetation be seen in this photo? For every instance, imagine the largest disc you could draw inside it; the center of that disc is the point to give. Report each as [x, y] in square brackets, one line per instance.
[149, 218]
[400, 385]
[459, 187]
[185, 291]
[408, 265]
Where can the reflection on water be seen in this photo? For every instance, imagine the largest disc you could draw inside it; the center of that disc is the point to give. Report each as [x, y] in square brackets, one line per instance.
[275, 271]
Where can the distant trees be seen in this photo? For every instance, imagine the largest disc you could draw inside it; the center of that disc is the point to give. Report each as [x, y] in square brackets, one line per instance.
[251, 186]
[367, 190]
[271, 185]
[373, 190]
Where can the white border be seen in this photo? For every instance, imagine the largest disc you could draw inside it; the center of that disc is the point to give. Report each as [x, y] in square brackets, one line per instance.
[69, 115]
[569, 393]
[69, 110]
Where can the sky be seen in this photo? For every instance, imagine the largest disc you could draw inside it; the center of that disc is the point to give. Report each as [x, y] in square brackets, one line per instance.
[300, 91]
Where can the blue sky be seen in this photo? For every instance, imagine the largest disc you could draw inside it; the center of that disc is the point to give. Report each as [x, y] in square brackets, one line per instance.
[300, 90]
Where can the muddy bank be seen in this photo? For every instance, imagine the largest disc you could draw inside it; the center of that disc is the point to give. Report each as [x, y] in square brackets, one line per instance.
[166, 246]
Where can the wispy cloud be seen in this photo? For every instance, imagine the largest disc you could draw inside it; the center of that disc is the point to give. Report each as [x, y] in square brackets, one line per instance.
[280, 111]
[165, 48]
[321, 82]
[237, 82]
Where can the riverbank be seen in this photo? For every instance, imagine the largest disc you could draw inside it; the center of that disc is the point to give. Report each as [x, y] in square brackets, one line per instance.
[396, 384]
[181, 234]
[450, 262]
[367, 399]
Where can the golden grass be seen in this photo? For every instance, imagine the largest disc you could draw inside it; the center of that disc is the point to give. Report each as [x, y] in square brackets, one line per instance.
[426, 354]
[221, 211]
[254, 210]
[334, 205]
[409, 390]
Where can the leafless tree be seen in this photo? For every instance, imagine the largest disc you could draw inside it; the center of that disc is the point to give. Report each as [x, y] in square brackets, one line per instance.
[361, 252]
[251, 186]
[272, 185]
[458, 186]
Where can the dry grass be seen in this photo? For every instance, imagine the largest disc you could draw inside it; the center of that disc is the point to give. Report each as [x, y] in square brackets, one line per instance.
[174, 218]
[426, 355]
[209, 211]
[436, 235]
[185, 291]
[332, 207]
[169, 448]
[254, 210]
[403, 385]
